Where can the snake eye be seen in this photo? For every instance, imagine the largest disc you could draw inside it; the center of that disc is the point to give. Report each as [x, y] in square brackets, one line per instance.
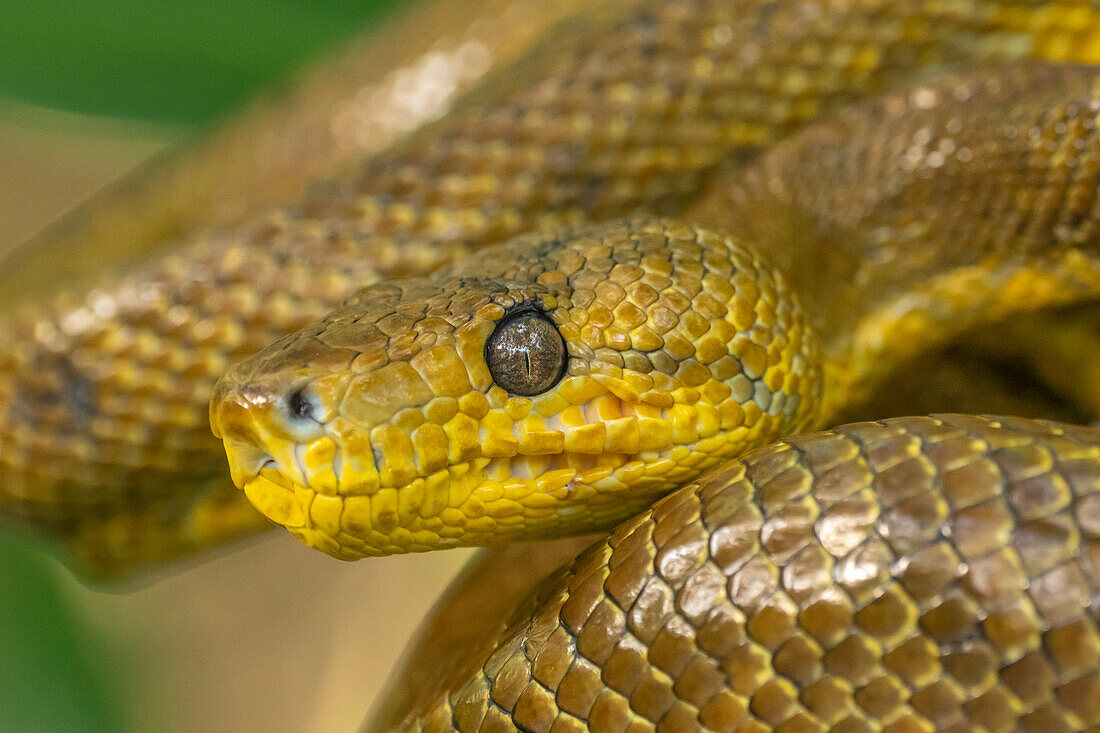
[526, 354]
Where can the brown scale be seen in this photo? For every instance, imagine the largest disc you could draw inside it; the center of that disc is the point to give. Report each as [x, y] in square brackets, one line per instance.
[103, 389]
[907, 575]
[910, 574]
[683, 337]
[937, 576]
[432, 452]
[874, 253]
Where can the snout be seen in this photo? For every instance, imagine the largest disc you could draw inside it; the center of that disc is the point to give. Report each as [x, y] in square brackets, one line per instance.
[234, 409]
[232, 405]
[261, 459]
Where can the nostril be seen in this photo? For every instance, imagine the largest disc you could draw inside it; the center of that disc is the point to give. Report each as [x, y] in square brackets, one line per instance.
[300, 405]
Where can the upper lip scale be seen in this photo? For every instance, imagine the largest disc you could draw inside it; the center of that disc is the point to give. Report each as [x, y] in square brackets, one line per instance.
[300, 464]
[270, 471]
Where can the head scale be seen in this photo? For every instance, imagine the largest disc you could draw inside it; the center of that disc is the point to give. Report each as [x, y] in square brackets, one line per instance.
[544, 386]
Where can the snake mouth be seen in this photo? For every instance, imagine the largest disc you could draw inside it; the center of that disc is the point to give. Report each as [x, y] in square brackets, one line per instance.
[474, 503]
[351, 496]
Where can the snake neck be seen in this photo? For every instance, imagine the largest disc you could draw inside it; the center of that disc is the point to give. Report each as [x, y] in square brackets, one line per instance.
[898, 234]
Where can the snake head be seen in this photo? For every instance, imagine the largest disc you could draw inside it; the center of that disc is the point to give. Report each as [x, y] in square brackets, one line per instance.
[552, 384]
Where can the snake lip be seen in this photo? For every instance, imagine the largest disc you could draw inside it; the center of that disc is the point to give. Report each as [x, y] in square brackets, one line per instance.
[277, 498]
[270, 471]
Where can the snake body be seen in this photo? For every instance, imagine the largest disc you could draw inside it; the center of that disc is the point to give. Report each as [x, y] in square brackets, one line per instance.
[558, 663]
[103, 387]
[908, 575]
[912, 574]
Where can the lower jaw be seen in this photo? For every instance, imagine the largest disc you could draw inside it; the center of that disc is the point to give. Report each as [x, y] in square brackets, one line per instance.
[326, 523]
[276, 502]
[492, 508]
[288, 507]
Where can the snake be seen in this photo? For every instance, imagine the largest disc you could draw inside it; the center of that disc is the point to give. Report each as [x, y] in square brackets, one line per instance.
[600, 294]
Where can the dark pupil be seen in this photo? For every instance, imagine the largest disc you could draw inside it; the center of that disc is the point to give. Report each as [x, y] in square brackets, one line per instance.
[526, 354]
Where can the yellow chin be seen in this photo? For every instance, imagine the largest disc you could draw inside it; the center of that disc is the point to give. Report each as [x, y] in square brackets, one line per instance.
[477, 503]
[291, 505]
[276, 502]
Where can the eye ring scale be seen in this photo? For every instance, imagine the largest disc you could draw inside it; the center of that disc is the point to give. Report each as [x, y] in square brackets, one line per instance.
[526, 353]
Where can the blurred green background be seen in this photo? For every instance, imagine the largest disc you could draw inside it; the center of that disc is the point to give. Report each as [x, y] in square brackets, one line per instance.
[179, 61]
[176, 63]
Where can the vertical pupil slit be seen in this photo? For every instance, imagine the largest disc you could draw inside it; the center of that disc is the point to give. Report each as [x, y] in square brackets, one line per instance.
[521, 354]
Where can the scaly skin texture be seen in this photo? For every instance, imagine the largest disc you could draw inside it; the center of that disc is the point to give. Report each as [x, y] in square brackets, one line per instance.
[627, 106]
[914, 574]
[918, 574]
[909, 220]
[685, 350]
[843, 607]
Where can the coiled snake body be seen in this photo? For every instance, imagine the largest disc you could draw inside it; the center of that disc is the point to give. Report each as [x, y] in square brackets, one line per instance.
[904, 575]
